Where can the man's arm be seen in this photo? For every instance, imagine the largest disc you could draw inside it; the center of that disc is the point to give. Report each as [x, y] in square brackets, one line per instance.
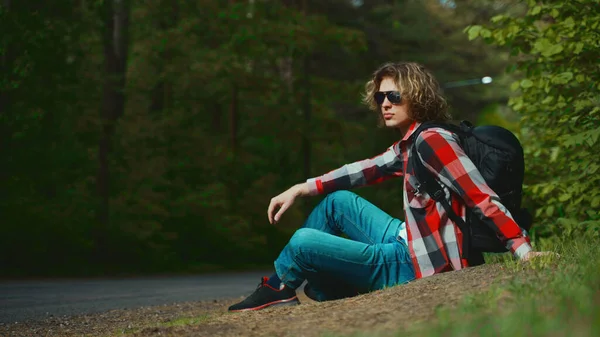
[365, 172]
[443, 156]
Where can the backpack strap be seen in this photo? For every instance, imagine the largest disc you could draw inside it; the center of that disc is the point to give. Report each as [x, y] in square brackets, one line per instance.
[430, 184]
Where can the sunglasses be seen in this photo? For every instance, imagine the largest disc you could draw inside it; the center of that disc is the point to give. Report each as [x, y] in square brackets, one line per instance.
[393, 96]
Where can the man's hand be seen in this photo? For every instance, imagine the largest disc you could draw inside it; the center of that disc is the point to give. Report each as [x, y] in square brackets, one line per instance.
[532, 255]
[283, 201]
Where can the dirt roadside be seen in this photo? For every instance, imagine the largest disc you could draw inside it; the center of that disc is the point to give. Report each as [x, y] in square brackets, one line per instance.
[381, 311]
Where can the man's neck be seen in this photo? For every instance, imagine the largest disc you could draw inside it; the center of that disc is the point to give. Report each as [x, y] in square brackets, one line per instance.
[405, 130]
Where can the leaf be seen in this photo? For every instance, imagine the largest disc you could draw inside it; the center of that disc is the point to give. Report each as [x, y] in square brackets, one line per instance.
[547, 48]
[474, 32]
[554, 153]
[515, 86]
[526, 83]
[498, 18]
[547, 189]
[562, 78]
[564, 197]
[569, 22]
[549, 211]
[592, 137]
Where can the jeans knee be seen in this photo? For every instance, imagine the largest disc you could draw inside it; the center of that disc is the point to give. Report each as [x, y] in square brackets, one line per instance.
[302, 238]
[340, 197]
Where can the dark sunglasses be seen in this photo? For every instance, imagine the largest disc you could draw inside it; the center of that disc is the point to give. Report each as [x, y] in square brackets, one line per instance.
[393, 96]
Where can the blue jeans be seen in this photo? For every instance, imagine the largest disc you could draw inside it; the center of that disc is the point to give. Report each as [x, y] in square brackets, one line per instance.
[372, 257]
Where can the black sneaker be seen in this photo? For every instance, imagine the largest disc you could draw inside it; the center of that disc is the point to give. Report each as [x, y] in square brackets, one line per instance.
[310, 293]
[331, 294]
[267, 296]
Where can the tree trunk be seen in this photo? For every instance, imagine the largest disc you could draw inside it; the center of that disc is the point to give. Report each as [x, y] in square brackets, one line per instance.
[216, 118]
[5, 134]
[4, 69]
[306, 143]
[233, 119]
[113, 104]
[306, 106]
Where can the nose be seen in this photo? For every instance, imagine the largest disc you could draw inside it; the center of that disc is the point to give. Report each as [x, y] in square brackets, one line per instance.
[386, 103]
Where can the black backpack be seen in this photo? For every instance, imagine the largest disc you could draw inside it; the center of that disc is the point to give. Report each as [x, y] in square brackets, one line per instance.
[498, 155]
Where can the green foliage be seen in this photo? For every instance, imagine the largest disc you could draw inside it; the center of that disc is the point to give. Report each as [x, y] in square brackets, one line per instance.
[556, 48]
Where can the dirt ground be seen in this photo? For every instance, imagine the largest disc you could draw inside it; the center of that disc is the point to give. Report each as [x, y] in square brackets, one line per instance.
[378, 312]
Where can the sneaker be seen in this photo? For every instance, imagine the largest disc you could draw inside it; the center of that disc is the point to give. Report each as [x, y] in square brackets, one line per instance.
[266, 296]
[330, 294]
[310, 293]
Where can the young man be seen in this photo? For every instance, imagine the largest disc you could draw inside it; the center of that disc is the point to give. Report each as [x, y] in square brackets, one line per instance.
[381, 251]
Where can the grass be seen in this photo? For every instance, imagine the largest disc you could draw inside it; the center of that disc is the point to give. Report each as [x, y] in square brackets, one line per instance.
[185, 321]
[553, 297]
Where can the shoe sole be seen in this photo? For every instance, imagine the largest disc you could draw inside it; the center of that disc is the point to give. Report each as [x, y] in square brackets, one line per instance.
[281, 303]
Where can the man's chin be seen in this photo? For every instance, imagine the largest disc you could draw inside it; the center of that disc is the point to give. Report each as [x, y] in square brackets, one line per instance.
[390, 124]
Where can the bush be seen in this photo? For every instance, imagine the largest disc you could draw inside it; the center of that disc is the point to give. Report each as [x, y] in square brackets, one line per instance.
[556, 47]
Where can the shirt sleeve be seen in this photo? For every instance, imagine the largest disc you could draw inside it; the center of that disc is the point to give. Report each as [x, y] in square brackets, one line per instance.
[365, 172]
[441, 153]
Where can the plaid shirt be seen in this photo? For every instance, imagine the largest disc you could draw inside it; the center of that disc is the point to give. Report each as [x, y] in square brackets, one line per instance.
[434, 241]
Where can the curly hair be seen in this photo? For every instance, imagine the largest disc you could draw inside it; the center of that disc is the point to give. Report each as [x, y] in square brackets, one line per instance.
[417, 85]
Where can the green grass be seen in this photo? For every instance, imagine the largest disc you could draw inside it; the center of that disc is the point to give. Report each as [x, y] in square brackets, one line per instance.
[548, 297]
[186, 321]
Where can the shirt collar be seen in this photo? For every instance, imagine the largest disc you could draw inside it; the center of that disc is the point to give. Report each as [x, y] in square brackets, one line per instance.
[410, 131]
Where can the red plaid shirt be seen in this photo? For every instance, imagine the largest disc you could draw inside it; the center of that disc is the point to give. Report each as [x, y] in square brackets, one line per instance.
[434, 240]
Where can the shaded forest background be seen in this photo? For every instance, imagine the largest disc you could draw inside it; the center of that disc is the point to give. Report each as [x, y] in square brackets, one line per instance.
[142, 137]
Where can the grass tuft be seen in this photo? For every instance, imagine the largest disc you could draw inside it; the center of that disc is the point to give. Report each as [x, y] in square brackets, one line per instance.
[186, 321]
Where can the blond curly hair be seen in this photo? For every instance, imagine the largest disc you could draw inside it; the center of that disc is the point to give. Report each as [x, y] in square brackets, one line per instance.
[417, 86]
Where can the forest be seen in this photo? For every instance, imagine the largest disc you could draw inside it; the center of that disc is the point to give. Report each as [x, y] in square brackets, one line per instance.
[149, 136]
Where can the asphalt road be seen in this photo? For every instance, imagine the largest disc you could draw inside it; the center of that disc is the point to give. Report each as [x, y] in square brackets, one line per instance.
[31, 300]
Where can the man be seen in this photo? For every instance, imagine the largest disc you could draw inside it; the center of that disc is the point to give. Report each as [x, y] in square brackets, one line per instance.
[381, 251]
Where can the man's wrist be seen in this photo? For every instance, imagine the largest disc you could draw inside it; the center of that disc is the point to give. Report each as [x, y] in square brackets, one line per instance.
[312, 186]
[520, 250]
[302, 189]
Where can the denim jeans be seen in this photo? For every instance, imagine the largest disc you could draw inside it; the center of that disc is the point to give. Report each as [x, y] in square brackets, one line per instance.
[372, 256]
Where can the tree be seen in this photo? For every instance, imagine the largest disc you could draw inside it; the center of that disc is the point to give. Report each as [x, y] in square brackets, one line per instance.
[556, 47]
[116, 46]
